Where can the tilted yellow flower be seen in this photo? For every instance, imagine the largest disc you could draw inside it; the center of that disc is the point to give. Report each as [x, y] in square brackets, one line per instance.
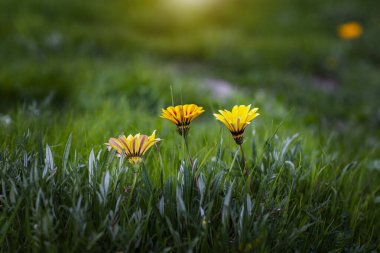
[237, 120]
[182, 116]
[350, 30]
[133, 146]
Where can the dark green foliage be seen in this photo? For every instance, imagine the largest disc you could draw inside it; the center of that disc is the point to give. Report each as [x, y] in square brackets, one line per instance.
[285, 203]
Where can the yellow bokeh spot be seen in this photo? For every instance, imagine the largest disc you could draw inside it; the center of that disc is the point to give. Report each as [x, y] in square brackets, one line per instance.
[350, 30]
[190, 3]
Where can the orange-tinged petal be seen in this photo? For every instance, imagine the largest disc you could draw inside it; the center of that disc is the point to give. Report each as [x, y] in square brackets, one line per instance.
[182, 115]
[134, 146]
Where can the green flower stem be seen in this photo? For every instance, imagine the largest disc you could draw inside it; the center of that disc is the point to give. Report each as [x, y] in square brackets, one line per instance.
[186, 147]
[135, 174]
[244, 168]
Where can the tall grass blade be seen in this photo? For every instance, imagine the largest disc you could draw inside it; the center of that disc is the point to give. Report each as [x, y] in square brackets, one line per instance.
[66, 153]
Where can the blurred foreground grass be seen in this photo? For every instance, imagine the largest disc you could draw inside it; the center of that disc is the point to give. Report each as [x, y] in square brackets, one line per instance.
[97, 69]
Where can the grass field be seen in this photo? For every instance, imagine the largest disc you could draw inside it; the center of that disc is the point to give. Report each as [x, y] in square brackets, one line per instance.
[75, 73]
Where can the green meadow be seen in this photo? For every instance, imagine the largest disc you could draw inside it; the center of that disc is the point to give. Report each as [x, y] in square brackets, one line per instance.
[73, 74]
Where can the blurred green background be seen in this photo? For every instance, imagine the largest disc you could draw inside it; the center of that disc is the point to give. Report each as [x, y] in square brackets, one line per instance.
[101, 68]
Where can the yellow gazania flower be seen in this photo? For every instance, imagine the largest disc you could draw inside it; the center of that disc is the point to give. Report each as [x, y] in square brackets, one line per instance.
[182, 115]
[133, 146]
[350, 30]
[237, 120]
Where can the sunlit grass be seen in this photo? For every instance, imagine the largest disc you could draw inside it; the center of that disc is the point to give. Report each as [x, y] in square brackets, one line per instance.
[183, 5]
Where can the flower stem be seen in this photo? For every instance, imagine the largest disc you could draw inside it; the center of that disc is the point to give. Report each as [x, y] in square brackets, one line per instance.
[133, 187]
[244, 168]
[187, 150]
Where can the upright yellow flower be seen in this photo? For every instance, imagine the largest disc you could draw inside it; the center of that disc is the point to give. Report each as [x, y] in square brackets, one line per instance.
[182, 116]
[350, 30]
[237, 120]
[133, 146]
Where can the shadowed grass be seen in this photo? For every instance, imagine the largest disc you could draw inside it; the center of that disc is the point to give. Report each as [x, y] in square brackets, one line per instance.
[289, 200]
